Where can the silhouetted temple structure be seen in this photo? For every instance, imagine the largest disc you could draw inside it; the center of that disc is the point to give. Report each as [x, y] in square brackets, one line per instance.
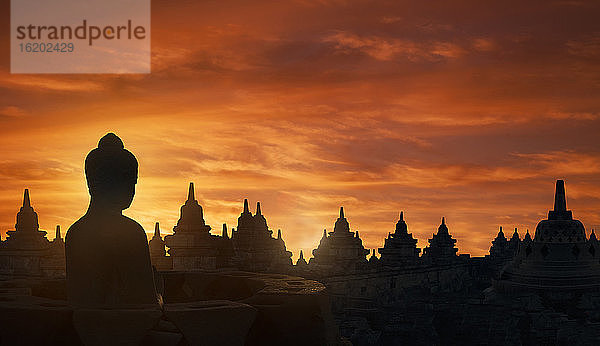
[441, 247]
[27, 234]
[157, 244]
[502, 251]
[514, 243]
[340, 250]
[560, 263]
[386, 300]
[158, 253]
[254, 247]
[499, 245]
[400, 247]
[191, 246]
[544, 290]
[27, 251]
[54, 264]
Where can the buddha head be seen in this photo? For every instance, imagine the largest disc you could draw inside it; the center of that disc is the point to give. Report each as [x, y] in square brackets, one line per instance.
[111, 173]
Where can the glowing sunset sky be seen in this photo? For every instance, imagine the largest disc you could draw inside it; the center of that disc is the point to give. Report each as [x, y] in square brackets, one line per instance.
[468, 111]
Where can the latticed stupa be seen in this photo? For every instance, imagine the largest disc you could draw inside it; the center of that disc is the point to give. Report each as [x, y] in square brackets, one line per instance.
[559, 261]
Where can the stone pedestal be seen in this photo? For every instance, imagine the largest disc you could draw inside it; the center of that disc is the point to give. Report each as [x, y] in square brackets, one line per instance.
[213, 322]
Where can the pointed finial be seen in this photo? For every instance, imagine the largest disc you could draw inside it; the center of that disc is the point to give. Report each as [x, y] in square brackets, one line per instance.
[258, 211]
[301, 255]
[527, 237]
[224, 234]
[26, 202]
[278, 234]
[191, 196]
[560, 200]
[246, 209]
[444, 221]
[157, 230]
[324, 233]
[57, 234]
[401, 216]
[357, 236]
[341, 212]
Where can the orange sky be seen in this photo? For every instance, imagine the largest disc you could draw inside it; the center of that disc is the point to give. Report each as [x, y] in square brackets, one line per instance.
[468, 111]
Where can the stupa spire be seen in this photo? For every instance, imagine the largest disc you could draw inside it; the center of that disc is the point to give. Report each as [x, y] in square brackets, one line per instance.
[324, 233]
[341, 224]
[191, 196]
[443, 229]
[224, 233]
[402, 216]
[560, 211]
[278, 234]
[527, 237]
[246, 209]
[26, 202]
[157, 230]
[57, 233]
[301, 261]
[357, 236]
[560, 200]
[258, 211]
[515, 236]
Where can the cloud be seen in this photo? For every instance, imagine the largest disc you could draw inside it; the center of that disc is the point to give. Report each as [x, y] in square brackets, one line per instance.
[484, 45]
[12, 112]
[387, 49]
[588, 47]
[50, 83]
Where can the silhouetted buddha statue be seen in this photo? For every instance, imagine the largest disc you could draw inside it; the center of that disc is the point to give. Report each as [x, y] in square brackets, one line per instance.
[107, 257]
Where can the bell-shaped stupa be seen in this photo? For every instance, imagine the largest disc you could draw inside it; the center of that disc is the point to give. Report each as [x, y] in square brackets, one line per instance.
[341, 249]
[441, 249]
[27, 235]
[558, 262]
[400, 247]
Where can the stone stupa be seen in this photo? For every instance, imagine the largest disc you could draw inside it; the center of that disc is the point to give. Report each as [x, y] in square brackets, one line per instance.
[400, 247]
[559, 263]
